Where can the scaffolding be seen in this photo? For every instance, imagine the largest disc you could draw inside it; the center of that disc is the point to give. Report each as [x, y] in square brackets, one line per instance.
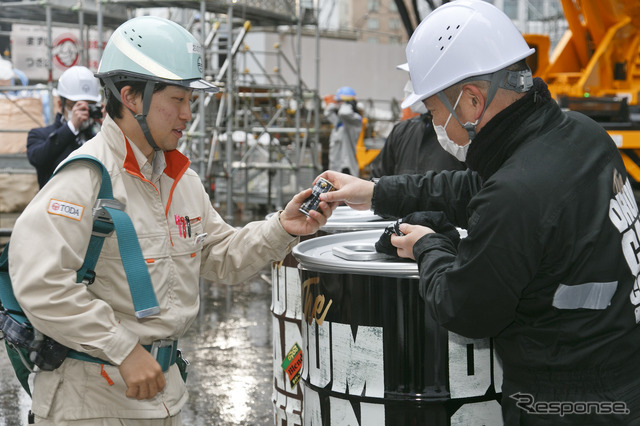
[256, 141]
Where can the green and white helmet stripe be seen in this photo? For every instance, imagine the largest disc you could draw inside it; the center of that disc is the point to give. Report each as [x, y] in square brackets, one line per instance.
[153, 48]
[140, 60]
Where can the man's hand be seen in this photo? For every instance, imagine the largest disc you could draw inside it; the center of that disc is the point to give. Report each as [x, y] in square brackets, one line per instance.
[297, 223]
[142, 374]
[353, 191]
[405, 243]
[79, 114]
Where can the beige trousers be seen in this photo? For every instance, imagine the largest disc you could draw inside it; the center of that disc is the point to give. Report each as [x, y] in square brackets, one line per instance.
[169, 421]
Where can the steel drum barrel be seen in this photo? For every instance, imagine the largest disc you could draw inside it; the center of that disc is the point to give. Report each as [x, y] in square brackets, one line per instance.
[286, 308]
[373, 355]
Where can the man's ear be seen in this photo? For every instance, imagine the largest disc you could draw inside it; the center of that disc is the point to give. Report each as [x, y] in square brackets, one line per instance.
[475, 100]
[130, 99]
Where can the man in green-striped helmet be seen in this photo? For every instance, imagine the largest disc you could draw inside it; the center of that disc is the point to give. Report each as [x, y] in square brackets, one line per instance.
[123, 369]
[147, 54]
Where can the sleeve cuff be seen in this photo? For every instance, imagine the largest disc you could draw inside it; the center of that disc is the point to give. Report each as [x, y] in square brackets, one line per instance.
[121, 345]
[72, 128]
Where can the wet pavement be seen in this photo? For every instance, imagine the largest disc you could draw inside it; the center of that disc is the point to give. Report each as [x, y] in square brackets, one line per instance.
[229, 347]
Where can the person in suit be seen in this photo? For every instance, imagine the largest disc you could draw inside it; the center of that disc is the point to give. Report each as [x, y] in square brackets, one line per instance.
[79, 95]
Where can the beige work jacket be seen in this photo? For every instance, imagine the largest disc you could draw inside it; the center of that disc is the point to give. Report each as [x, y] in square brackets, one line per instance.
[48, 246]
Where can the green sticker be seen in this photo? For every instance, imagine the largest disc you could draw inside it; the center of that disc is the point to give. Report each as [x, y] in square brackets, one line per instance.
[292, 364]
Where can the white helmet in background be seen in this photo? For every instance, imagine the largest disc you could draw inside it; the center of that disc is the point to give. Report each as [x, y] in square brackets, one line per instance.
[418, 107]
[78, 84]
[458, 40]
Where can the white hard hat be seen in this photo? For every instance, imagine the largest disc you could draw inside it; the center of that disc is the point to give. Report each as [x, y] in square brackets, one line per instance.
[78, 84]
[458, 40]
[419, 106]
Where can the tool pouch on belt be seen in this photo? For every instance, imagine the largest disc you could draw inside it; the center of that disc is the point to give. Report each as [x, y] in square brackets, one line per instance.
[183, 365]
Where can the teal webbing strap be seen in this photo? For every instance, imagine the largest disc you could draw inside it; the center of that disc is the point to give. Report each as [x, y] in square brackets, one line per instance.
[144, 298]
[101, 229]
[7, 298]
[140, 286]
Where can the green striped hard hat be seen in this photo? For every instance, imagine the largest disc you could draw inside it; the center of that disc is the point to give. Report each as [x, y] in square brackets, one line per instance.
[153, 48]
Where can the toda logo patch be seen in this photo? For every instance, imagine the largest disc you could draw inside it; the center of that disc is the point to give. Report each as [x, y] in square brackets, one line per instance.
[66, 209]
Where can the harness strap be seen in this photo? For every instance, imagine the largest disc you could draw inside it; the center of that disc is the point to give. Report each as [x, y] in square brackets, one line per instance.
[7, 299]
[140, 286]
[165, 355]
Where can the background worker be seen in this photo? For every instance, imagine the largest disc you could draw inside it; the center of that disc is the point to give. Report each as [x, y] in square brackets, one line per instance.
[549, 268]
[412, 147]
[111, 377]
[347, 125]
[75, 124]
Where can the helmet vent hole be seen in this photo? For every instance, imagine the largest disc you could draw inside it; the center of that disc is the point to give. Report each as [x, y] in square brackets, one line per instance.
[446, 38]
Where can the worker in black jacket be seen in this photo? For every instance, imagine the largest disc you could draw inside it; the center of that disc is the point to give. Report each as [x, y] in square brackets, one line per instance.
[47, 146]
[412, 147]
[551, 262]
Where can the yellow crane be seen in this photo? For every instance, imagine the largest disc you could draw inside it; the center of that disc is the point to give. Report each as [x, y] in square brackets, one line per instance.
[595, 69]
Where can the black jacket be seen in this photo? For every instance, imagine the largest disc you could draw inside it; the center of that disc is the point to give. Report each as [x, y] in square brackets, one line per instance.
[48, 146]
[412, 147]
[551, 256]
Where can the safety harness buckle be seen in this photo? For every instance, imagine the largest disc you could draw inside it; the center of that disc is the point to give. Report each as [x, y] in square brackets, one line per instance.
[165, 351]
[102, 222]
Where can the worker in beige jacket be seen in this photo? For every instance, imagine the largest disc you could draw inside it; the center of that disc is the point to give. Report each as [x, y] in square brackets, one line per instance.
[150, 68]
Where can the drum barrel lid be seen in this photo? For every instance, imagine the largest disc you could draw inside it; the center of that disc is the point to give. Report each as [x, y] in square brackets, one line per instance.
[352, 253]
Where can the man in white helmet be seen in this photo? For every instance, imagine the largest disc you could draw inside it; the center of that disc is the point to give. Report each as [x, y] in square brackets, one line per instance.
[550, 266]
[80, 112]
[123, 366]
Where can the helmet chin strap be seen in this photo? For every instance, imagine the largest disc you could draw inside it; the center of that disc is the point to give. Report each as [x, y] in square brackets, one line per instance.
[146, 104]
[142, 118]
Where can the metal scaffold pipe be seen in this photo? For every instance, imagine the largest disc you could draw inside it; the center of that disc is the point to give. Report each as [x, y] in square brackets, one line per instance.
[201, 105]
[229, 142]
[50, 64]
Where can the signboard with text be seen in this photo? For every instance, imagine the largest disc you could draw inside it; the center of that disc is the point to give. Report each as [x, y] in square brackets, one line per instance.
[31, 55]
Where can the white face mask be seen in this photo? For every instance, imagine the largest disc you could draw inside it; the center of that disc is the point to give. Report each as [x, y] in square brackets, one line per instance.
[458, 151]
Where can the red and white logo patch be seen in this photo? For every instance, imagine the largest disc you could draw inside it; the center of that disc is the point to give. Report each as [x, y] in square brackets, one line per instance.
[66, 209]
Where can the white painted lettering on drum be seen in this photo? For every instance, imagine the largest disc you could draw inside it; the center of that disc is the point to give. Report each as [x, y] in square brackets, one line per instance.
[286, 297]
[316, 362]
[286, 306]
[341, 412]
[357, 361]
[478, 413]
[469, 366]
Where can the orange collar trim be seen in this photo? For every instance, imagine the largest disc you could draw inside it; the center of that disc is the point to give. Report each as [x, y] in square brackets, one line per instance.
[177, 163]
